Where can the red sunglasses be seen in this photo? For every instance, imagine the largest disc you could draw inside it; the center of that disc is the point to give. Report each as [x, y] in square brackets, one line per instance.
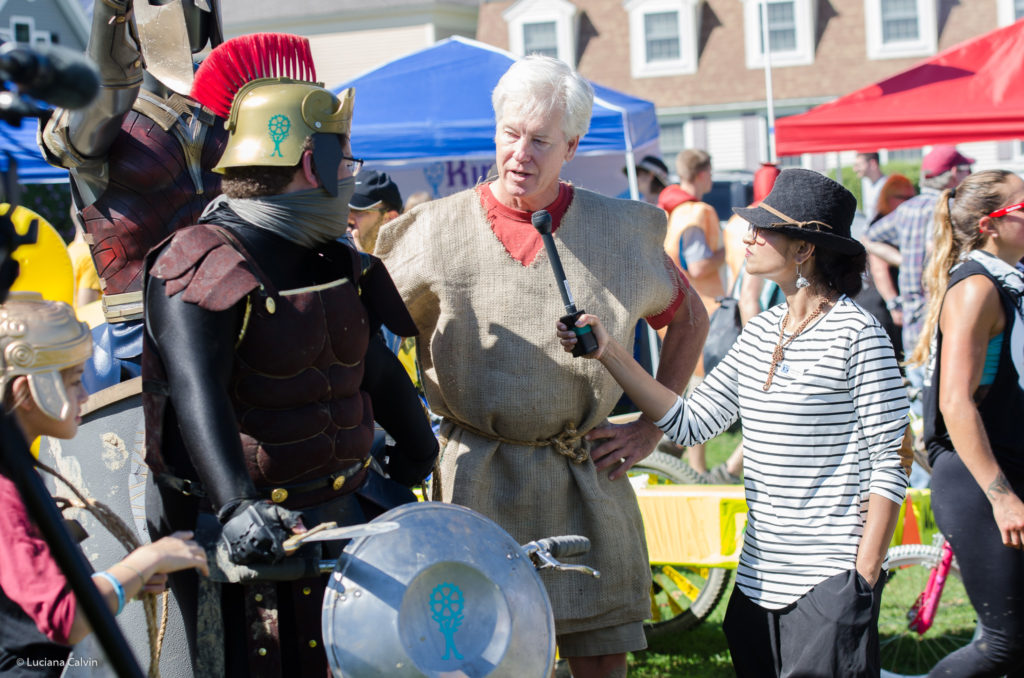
[1003, 211]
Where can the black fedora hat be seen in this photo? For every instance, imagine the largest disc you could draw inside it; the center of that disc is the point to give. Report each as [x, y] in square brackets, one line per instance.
[808, 205]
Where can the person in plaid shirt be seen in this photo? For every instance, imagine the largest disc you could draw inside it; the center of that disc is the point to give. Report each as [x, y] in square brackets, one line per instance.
[908, 228]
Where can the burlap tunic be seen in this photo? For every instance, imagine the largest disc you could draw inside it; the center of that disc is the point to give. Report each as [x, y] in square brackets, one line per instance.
[493, 368]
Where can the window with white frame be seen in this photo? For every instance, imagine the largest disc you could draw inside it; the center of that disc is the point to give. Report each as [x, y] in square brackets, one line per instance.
[1009, 11]
[790, 28]
[662, 37]
[541, 38]
[22, 29]
[900, 28]
[543, 27]
[781, 27]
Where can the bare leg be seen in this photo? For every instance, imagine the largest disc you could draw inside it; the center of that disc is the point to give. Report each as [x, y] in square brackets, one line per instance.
[734, 464]
[696, 457]
[599, 666]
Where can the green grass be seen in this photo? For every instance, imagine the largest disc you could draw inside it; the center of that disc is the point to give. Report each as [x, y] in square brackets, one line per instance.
[953, 628]
[701, 652]
[698, 653]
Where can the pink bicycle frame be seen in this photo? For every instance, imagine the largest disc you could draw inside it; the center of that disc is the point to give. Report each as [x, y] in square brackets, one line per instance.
[922, 614]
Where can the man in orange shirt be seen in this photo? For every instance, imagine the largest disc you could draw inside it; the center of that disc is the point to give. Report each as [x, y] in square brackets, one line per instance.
[694, 237]
[694, 243]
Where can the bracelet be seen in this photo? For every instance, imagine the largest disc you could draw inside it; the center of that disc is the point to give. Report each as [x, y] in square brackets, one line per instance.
[894, 303]
[118, 589]
[142, 580]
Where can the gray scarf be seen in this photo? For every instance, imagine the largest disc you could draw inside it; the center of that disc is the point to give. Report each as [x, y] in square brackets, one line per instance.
[307, 218]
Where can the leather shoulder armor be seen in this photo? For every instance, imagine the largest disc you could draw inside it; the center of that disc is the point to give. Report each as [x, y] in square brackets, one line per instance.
[200, 263]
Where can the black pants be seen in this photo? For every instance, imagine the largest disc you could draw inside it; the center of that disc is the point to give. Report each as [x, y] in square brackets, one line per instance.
[993, 574]
[167, 511]
[831, 632]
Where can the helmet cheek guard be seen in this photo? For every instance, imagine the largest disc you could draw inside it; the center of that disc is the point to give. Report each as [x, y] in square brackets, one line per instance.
[38, 339]
[327, 152]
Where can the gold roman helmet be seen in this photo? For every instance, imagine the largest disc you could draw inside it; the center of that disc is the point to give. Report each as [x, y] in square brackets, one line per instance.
[271, 118]
[39, 338]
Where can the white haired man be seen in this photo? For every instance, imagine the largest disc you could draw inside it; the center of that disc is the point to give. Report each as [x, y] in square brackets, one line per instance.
[525, 431]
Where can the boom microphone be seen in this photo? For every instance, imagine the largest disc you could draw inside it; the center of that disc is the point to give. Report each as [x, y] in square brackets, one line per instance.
[586, 343]
[57, 75]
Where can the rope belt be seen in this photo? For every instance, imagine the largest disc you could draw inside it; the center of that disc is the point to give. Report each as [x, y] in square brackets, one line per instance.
[569, 443]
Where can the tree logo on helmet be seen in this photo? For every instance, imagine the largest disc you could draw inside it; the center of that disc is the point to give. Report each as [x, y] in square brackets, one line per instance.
[279, 126]
[446, 606]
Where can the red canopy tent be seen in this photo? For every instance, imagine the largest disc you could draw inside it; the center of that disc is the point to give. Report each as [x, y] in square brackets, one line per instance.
[973, 91]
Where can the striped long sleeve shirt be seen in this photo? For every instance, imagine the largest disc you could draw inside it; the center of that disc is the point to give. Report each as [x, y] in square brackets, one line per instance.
[816, 444]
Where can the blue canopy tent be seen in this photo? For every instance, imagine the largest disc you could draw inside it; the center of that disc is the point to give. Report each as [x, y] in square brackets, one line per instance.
[18, 144]
[434, 106]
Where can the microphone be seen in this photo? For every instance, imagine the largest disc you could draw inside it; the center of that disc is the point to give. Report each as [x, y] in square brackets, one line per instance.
[586, 342]
[57, 75]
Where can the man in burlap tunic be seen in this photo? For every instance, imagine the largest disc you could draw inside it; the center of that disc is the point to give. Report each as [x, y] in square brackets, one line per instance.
[519, 414]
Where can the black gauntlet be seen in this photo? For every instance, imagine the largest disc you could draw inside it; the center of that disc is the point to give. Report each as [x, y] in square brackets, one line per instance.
[255, 531]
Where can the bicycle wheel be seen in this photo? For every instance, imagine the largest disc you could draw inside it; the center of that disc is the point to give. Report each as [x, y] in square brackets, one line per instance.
[904, 652]
[666, 469]
[681, 596]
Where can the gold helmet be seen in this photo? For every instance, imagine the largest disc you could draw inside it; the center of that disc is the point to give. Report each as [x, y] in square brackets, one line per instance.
[39, 338]
[272, 117]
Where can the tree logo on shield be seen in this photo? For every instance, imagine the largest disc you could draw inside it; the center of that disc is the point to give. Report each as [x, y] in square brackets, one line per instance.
[279, 126]
[446, 606]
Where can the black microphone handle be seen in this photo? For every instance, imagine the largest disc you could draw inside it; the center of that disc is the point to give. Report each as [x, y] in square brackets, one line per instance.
[556, 266]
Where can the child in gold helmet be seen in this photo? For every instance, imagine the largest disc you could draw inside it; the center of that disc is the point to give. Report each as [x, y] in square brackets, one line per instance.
[43, 348]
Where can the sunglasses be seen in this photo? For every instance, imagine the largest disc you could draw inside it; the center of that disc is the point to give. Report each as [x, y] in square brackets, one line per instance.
[1003, 211]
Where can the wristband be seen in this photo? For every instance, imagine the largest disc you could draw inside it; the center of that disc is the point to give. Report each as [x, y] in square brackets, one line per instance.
[894, 303]
[142, 581]
[118, 589]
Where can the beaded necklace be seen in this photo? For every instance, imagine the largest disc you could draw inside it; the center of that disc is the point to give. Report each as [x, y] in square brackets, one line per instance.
[779, 346]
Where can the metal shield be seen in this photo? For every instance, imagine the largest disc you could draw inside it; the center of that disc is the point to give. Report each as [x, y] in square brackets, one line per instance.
[449, 593]
[105, 462]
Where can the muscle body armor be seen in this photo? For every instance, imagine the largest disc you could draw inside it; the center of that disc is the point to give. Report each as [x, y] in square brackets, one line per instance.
[159, 179]
[295, 385]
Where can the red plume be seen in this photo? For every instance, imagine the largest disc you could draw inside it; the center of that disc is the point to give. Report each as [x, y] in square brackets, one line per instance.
[238, 61]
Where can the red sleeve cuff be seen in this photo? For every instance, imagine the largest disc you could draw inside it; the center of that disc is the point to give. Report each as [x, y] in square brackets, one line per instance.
[682, 288]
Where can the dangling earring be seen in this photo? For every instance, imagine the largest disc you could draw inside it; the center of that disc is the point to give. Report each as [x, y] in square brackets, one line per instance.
[801, 281]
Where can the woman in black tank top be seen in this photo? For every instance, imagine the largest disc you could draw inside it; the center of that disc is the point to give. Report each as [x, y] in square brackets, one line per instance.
[973, 405]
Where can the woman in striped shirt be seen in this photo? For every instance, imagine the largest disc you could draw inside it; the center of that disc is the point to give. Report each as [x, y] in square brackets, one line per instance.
[816, 385]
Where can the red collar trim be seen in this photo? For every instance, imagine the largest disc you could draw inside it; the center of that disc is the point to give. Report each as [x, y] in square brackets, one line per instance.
[513, 227]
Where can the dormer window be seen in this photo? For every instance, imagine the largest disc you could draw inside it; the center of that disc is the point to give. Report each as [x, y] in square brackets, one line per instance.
[545, 27]
[662, 37]
[790, 25]
[900, 28]
[541, 38]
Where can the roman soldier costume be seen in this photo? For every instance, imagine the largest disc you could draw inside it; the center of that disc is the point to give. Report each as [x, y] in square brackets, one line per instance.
[263, 369]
